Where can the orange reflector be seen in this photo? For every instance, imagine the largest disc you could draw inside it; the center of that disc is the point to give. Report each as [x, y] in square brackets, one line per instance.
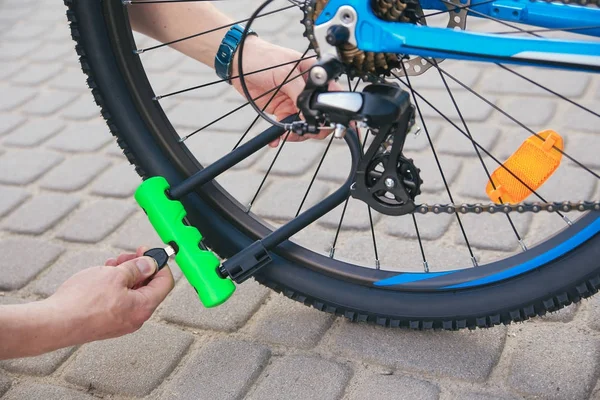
[533, 163]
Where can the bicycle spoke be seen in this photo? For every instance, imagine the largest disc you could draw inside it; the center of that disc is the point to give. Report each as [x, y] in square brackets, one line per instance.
[444, 116]
[262, 183]
[548, 90]
[315, 174]
[183, 139]
[139, 51]
[233, 77]
[425, 263]
[531, 131]
[339, 226]
[439, 166]
[270, 100]
[377, 264]
[487, 172]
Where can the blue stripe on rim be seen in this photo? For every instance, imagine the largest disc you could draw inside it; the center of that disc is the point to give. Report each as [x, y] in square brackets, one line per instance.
[576, 240]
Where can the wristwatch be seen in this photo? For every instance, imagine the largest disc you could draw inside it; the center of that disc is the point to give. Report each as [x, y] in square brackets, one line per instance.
[227, 49]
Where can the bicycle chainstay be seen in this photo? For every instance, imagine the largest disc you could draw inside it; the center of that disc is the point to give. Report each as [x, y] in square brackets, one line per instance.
[491, 208]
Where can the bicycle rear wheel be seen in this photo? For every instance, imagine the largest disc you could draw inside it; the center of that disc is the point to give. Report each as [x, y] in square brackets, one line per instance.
[361, 285]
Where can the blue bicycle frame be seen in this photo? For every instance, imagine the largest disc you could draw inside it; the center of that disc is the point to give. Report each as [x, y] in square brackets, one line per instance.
[376, 35]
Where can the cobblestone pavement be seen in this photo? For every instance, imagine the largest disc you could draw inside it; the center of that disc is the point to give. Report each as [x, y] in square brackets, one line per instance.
[66, 203]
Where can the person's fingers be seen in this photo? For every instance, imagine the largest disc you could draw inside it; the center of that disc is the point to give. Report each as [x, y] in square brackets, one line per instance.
[125, 257]
[159, 287]
[141, 250]
[111, 262]
[136, 270]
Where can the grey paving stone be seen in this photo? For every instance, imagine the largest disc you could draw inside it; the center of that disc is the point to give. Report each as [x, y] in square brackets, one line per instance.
[48, 103]
[471, 107]
[478, 228]
[577, 119]
[9, 69]
[83, 109]
[286, 322]
[33, 255]
[75, 172]
[419, 142]
[430, 172]
[467, 74]
[71, 79]
[41, 213]
[453, 142]
[68, 265]
[380, 387]
[35, 390]
[581, 148]
[538, 353]
[282, 198]
[295, 159]
[120, 180]
[130, 365]
[25, 166]
[530, 113]
[4, 384]
[82, 137]
[10, 51]
[37, 74]
[578, 183]
[136, 231]
[242, 185]
[184, 308]
[295, 376]
[431, 226]
[14, 96]
[463, 354]
[569, 84]
[53, 52]
[34, 132]
[336, 165]
[8, 122]
[563, 315]
[42, 365]
[21, 32]
[222, 369]
[592, 314]
[481, 396]
[96, 220]
[11, 198]
[356, 216]
[473, 180]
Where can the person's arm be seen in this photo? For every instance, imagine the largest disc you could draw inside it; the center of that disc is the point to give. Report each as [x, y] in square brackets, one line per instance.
[167, 22]
[96, 303]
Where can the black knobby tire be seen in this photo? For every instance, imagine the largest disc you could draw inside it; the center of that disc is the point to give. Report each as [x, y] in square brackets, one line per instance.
[104, 45]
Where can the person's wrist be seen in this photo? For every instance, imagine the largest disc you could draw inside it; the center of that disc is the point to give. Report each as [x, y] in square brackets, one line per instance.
[251, 45]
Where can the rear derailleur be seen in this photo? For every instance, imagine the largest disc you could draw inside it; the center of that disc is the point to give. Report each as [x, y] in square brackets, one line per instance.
[384, 179]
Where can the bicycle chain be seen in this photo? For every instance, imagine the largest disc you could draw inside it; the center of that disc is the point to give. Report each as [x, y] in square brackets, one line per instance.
[565, 206]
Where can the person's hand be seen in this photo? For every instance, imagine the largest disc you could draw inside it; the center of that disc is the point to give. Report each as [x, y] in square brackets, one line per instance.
[260, 54]
[112, 300]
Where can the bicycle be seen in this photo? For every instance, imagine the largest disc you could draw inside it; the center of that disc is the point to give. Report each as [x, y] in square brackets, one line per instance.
[385, 44]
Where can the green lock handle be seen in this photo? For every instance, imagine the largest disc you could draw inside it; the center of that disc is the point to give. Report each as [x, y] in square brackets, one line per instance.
[198, 266]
